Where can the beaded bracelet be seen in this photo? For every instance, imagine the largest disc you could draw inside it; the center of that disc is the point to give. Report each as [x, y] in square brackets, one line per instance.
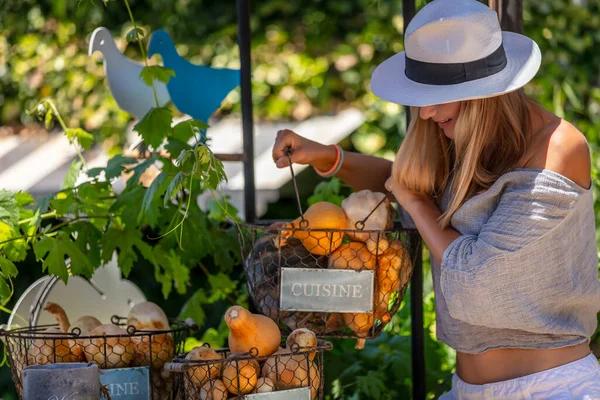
[336, 166]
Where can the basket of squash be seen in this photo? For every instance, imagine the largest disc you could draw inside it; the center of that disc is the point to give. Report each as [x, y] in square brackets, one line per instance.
[340, 271]
[144, 338]
[256, 362]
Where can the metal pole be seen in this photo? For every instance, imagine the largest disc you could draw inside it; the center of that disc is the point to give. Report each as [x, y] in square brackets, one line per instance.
[416, 288]
[510, 14]
[243, 13]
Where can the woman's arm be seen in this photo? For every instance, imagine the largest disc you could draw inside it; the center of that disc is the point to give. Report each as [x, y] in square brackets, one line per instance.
[359, 171]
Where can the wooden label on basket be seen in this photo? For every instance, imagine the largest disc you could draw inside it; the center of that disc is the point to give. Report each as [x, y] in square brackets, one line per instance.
[326, 290]
[291, 394]
[127, 383]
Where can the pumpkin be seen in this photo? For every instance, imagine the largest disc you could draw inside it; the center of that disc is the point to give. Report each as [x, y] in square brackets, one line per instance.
[321, 215]
[290, 371]
[83, 325]
[213, 390]
[147, 316]
[357, 207]
[199, 374]
[240, 376]
[393, 273]
[109, 352]
[264, 385]
[304, 339]
[354, 255]
[248, 330]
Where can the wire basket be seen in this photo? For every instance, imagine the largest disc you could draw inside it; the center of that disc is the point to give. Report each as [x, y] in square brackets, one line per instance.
[272, 252]
[226, 375]
[46, 344]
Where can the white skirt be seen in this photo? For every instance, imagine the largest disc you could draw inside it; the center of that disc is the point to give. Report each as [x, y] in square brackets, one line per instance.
[579, 380]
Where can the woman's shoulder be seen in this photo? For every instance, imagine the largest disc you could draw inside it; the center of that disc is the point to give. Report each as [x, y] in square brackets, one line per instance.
[563, 149]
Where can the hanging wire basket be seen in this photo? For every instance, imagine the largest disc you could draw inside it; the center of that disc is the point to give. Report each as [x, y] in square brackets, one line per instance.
[273, 253]
[46, 344]
[226, 375]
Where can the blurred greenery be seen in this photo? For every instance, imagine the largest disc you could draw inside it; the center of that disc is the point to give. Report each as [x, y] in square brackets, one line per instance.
[309, 58]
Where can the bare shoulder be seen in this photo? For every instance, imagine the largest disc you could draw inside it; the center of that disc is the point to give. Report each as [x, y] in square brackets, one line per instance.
[567, 152]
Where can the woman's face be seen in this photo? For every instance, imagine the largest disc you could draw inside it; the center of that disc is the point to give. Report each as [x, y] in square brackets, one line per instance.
[444, 115]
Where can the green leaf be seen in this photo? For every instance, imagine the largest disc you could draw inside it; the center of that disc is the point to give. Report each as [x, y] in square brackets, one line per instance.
[221, 285]
[138, 170]
[54, 250]
[6, 232]
[48, 119]
[125, 241]
[43, 203]
[175, 146]
[24, 199]
[187, 129]
[135, 34]
[87, 239]
[116, 165]
[193, 308]
[174, 187]
[131, 199]
[156, 72]
[155, 126]
[169, 269]
[9, 208]
[8, 268]
[72, 174]
[151, 203]
[371, 385]
[64, 203]
[4, 288]
[85, 139]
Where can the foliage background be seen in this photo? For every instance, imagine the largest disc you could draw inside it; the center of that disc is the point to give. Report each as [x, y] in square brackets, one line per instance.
[309, 57]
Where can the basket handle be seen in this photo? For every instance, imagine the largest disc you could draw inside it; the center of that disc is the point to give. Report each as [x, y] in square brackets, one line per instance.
[360, 225]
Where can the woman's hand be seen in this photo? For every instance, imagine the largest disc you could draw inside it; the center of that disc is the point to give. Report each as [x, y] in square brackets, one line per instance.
[304, 151]
[404, 196]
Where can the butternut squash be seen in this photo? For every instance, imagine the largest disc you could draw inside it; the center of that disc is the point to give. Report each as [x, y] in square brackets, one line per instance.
[304, 339]
[354, 255]
[393, 273]
[199, 374]
[240, 376]
[247, 330]
[292, 371]
[321, 215]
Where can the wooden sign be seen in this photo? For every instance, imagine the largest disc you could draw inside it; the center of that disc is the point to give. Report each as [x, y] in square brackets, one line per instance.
[326, 290]
[291, 394]
[127, 383]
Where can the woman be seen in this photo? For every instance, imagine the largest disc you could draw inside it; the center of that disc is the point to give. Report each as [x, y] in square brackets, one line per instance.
[500, 191]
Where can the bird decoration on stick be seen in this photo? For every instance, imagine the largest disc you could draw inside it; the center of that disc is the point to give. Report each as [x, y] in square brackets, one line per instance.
[123, 77]
[195, 90]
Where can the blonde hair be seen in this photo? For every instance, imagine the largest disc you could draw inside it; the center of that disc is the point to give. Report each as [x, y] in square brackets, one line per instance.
[490, 137]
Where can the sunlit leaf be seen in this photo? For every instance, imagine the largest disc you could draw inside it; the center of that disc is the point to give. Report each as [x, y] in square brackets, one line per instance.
[156, 72]
[155, 126]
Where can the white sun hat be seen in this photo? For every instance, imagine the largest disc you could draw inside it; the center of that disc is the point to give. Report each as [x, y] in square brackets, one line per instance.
[455, 50]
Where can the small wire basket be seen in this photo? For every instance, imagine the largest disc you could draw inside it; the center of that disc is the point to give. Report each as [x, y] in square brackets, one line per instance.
[46, 344]
[272, 252]
[226, 375]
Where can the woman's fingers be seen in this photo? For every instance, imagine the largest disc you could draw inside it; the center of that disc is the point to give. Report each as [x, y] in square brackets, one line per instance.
[287, 140]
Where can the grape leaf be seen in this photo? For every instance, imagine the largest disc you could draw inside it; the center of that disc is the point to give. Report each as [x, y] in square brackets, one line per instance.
[53, 251]
[64, 203]
[72, 174]
[114, 167]
[155, 126]
[187, 129]
[4, 288]
[135, 34]
[371, 385]
[43, 203]
[221, 285]
[23, 199]
[174, 187]
[87, 239]
[125, 240]
[85, 139]
[156, 72]
[169, 270]
[9, 208]
[138, 170]
[151, 203]
[175, 146]
[132, 199]
[193, 308]
[5, 232]
[7, 267]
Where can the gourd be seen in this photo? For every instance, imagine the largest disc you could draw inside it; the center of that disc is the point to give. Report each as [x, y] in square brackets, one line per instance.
[83, 325]
[213, 390]
[290, 371]
[390, 277]
[304, 339]
[147, 316]
[46, 351]
[357, 207]
[354, 255]
[321, 215]
[240, 376]
[199, 374]
[264, 385]
[248, 330]
[109, 352]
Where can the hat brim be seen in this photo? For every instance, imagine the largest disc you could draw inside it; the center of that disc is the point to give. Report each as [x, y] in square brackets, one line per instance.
[389, 82]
